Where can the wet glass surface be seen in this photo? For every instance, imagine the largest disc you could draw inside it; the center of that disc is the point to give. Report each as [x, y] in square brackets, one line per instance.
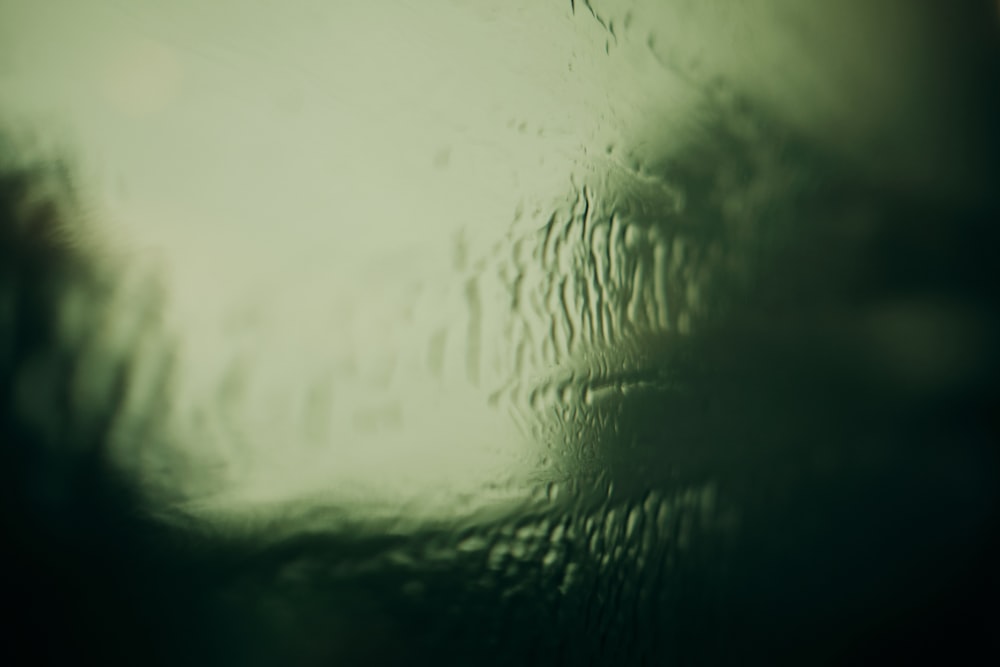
[544, 333]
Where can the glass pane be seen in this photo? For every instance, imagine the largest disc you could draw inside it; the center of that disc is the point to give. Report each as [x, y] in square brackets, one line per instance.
[385, 332]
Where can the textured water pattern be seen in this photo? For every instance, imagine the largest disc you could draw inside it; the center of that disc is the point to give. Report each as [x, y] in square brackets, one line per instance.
[371, 336]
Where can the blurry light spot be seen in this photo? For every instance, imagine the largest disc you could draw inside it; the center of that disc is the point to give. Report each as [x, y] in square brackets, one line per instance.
[142, 78]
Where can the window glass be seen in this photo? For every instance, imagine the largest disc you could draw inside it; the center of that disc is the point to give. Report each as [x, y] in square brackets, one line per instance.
[536, 332]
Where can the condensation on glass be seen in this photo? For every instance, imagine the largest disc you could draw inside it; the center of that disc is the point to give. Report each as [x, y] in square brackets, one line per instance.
[543, 333]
